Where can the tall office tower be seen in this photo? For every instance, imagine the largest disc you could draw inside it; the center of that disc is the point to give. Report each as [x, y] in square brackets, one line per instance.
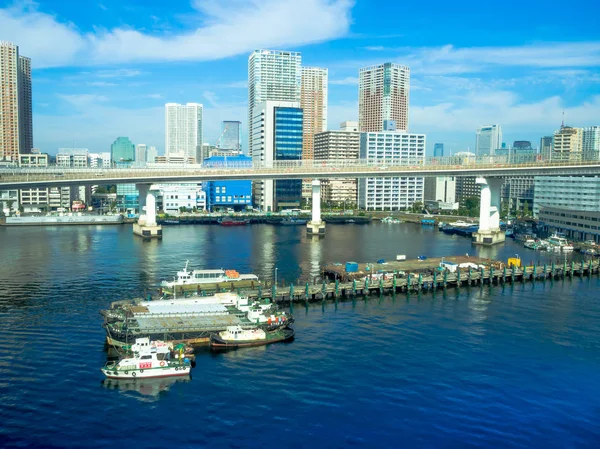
[438, 150]
[151, 154]
[16, 124]
[277, 136]
[313, 101]
[231, 136]
[272, 75]
[122, 150]
[489, 139]
[141, 152]
[383, 94]
[340, 144]
[568, 143]
[591, 143]
[183, 130]
[391, 193]
[546, 146]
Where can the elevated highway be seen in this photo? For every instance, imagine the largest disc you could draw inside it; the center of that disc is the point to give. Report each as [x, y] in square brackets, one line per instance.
[487, 167]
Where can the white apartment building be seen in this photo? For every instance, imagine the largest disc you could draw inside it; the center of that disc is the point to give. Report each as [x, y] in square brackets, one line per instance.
[183, 129]
[16, 123]
[488, 140]
[99, 160]
[176, 196]
[383, 95]
[72, 157]
[391, 147]
[338, 144]
[34, 200]
[591, 143]
[272, 75]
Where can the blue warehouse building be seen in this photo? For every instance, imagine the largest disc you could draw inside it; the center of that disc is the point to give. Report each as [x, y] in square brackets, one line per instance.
[221, 195]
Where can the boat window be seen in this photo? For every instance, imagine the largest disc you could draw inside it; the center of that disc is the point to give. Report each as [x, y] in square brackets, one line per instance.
[146, 357]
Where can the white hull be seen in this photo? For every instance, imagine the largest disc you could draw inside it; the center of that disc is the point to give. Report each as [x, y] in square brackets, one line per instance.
[147, 373]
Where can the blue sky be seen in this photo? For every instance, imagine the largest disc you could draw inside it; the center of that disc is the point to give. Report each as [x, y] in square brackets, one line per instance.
[105, 68]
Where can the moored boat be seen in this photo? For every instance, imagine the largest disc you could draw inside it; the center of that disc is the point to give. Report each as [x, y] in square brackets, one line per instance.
[292, 221]
[236, 337]
[233, 222]
[148, 361]
[200, 277]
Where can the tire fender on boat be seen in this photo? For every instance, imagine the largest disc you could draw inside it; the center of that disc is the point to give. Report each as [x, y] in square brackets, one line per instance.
[125, 372]
[141, 371]
[133, 373]
[162, 363]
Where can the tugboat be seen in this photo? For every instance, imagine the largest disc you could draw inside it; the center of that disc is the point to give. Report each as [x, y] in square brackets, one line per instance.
[236, 337]
[149, 360]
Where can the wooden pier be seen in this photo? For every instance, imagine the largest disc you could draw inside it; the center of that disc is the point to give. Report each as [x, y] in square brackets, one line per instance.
[417, 282]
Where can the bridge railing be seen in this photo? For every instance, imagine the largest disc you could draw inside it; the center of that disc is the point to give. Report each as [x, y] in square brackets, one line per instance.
[56, 172]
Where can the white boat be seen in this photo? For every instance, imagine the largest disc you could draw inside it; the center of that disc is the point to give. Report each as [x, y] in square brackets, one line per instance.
[560, 242]
[149, 360]
[199, 277]
[391, 220]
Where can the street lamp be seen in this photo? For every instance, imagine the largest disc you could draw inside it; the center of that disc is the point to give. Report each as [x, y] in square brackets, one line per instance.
[276, 276]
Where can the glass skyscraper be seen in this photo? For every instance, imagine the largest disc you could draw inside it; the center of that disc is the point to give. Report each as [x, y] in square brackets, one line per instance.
[277, 136]
[122, 150]
[288, 147]
[438, 150]
[231, 136]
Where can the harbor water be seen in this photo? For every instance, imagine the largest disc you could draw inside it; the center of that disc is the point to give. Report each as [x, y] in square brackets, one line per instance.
[510, 366]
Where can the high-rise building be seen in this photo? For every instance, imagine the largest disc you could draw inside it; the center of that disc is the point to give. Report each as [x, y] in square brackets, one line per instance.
[313, 101]
[383, 94]
[272, 76]
[141, 151]
[438, 150]
[99, 160]
[568, 143]
[591, 143]
[277, 136]
[151, 154]
[231, 136]
[580, 193]
[546, 146]
[489, 139]
[391, 193]
[340, 144]
[16, 123]
[122, 150]
[183, 130]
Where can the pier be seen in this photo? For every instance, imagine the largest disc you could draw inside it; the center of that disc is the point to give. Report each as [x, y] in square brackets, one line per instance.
[496, 273]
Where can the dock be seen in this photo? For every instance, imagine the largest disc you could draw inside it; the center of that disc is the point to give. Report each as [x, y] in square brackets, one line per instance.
[417, 276]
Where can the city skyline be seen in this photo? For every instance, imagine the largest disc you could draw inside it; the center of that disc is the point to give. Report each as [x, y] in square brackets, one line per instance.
[457, 84]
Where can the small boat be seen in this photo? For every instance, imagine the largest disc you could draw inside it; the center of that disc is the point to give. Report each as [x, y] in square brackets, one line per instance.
[509, 233]
[350, 220]
[233, 222]
[390, 220]
[530, 243]
[236, 337]
[149, 360]
[560, 242]
[292, 222]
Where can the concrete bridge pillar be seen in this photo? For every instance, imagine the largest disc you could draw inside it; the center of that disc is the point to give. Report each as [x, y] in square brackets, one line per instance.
[146, 226]
[316, 226]
[489, 232]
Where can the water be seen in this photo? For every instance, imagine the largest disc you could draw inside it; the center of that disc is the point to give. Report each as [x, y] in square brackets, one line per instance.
[512, 366]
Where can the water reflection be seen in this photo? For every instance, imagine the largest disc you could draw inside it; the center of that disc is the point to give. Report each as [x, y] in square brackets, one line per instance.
[145, 390]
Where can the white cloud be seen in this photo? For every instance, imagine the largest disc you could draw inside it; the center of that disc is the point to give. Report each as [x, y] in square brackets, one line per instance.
[155, 96]
[502, 107]
[222, 30]
[100, 84]
[118, 73]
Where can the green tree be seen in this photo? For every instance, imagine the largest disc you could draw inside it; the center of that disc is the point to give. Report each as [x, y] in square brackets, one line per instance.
[525, 209]
[417, 206]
